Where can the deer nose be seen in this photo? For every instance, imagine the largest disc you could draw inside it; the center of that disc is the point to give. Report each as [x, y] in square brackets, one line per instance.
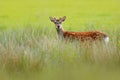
[58, 27]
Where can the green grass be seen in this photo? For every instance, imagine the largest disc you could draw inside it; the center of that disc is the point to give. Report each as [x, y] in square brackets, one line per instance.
[30, 50]
[78, 12]
[34, 54]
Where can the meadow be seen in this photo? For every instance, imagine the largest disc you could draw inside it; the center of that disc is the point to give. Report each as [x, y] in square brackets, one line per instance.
[30, 49]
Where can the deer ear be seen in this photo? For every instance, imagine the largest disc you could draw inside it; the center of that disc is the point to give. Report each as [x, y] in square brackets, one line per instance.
[52, 19]
[63, 19]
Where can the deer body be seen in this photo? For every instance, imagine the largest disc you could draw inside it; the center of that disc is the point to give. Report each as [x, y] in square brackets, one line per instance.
[81, 36]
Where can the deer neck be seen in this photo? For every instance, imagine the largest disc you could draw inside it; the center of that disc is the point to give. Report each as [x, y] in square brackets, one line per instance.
[60, 32]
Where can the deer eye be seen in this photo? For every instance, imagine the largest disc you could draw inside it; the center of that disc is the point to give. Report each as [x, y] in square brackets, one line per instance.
[55, 22]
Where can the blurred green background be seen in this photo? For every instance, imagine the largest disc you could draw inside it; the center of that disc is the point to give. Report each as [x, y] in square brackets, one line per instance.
[23, 58]
[78, 12]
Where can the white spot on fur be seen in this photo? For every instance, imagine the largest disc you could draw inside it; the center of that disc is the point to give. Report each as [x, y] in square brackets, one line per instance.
[106, 39]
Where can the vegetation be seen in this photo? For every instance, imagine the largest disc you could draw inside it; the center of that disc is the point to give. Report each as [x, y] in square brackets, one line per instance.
[29, 48]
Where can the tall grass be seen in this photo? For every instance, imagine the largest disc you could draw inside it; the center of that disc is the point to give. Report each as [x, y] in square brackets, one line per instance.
[38, 52]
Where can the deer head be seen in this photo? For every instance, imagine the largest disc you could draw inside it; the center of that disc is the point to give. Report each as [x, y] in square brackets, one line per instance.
[58, 25]
[58, 22]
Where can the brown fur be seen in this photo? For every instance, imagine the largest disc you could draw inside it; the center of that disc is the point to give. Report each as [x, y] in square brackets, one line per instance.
[84, 36]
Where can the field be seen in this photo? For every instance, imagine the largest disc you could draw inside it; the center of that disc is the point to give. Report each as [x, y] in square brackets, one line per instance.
[30, 49]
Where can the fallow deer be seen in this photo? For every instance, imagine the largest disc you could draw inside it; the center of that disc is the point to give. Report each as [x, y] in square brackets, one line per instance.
[82, 36]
